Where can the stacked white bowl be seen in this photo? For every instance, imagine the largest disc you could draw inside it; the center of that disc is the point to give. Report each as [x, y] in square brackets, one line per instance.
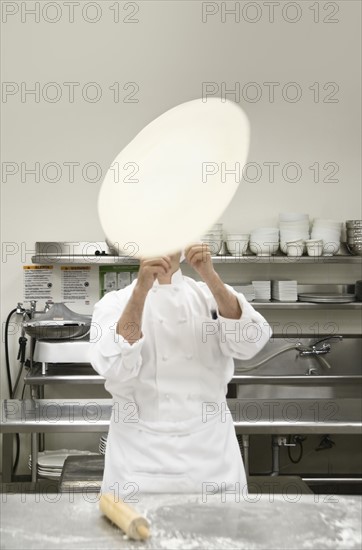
[214, 238]
[330, 232]
[264, 241]
[354, 237]
[237, 243]
[293, 227]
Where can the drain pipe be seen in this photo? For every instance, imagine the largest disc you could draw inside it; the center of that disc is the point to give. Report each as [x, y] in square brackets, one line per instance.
[275, 456]
[277, 442]
[245, 439]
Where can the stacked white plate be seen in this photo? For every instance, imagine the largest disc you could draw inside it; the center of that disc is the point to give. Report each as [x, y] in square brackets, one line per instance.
[50, 463]
[264, 241]
[285, 291]
[293, 226]
[248, 290]
[330, 232]
[103, 443]
[262, 290]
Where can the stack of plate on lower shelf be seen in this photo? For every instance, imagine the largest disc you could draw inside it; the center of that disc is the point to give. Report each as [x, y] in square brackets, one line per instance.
[248, 291]
[262, 290]
[103, 443]
[285, 291]
[50, 463]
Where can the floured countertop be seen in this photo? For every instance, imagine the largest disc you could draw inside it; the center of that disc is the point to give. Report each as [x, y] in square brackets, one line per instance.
[73, 521]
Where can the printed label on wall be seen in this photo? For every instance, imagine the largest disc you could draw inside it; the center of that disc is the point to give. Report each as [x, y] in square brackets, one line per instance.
[38, 282]
[75, 284]
[116, 277]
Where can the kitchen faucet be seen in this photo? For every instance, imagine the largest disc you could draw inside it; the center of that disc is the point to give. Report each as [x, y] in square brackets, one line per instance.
[314, 350]
[31, 312]
[338, 337]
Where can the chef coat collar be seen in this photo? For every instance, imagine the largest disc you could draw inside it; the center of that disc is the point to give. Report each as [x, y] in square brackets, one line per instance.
[176, 279]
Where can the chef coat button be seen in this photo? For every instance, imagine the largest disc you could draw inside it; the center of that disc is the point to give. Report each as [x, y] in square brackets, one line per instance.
[182, 320]
[164, 358]
[175, 288]
[161, 320]
[167, 396]
[154, 289]
[189, 356]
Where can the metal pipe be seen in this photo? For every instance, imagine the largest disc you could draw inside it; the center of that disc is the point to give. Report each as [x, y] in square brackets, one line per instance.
[246, 441]
[266, 359]
[275, 456]
[323, 361]
[34, 456]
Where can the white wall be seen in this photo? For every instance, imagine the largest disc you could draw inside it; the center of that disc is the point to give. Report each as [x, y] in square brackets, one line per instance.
[169, 53]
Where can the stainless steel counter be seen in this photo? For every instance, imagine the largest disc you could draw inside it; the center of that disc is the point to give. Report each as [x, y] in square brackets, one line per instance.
[251, 416]
[55, 415]
[63, 374]
[178, 522]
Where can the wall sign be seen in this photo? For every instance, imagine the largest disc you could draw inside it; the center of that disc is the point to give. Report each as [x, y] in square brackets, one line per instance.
[75, 284]
[115, 277]
[38, 282]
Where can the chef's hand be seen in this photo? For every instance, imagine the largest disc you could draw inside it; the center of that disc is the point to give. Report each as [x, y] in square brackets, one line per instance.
[149, 270]
[198, 256]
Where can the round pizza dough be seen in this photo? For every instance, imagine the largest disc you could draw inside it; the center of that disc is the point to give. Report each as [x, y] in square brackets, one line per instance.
[175, 178]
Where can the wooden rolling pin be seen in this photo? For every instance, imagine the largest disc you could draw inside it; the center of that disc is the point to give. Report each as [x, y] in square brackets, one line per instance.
[127, 518]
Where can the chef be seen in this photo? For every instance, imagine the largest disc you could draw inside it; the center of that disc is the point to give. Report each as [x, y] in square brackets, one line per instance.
[165, 346]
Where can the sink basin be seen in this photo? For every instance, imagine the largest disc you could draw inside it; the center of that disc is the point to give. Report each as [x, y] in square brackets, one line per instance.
[290, 375]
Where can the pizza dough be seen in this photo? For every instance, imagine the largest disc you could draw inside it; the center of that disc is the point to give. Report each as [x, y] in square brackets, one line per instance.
[175, 178]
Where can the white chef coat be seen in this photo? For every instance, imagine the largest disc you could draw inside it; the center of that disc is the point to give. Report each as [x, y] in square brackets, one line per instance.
[171, 430]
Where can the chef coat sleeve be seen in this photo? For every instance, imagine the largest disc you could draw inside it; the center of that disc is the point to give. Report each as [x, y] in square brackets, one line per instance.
[110, 354]
[243, 338]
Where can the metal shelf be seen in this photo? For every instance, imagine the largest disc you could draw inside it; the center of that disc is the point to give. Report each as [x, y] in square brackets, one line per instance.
[50, 259]
[305, 305]
[99, 253]
[280, 258]
[54, 259]
[57, 373]
[320, 380]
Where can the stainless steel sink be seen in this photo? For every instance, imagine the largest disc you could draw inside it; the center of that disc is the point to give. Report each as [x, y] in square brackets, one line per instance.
[336, 374]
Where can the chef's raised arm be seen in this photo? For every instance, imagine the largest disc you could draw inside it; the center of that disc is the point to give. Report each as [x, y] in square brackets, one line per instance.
[242, 331]
[116, 335]
[243, 338]
[111, 352]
